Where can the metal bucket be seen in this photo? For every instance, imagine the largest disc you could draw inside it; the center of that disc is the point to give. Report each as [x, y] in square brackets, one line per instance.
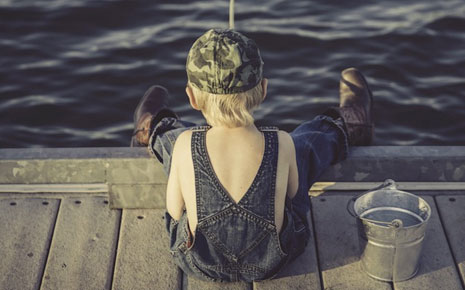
[391, 225]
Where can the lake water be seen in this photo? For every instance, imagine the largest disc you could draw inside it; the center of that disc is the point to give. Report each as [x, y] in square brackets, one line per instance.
[72, 72]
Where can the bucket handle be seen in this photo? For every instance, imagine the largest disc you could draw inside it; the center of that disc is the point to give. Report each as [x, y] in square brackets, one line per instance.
[397, 223]
[350, 205]
[388, 183]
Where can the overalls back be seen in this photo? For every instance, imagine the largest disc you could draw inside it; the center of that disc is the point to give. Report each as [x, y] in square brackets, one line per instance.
[233, 241]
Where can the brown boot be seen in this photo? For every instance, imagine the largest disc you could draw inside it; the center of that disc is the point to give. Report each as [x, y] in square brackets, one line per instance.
[355, 108]
[151, 109]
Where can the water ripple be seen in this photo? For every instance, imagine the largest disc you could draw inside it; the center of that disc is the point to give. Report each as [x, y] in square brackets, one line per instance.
[73, 71]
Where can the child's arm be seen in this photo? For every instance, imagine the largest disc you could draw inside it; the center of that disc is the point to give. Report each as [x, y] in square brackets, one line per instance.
[293, 183]
[293, 178]
[174, 198]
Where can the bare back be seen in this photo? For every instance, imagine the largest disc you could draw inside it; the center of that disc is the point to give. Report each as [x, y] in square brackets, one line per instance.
[236, 155]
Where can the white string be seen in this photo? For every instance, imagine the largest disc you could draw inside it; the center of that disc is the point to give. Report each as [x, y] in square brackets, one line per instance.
[231, 14]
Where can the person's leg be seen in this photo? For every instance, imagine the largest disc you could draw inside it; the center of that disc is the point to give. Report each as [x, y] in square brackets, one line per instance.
[355, 108]
[156, 126]
[318, 143]
[152, 107]
[164, 136]
[325, 140]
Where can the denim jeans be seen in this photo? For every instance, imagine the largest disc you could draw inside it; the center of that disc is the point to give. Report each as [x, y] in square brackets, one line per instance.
[319, 143]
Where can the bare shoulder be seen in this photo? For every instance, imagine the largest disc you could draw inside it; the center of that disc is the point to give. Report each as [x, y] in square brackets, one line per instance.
[184, 138]
[182, 145]
[284, 136]
[286, 142]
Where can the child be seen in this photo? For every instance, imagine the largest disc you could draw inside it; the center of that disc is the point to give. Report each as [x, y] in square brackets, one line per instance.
[237, 195]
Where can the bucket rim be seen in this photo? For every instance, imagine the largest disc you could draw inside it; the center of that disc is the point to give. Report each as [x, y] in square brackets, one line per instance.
[386, 187]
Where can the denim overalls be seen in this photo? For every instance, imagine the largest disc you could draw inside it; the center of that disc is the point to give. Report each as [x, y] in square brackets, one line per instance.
[239, 241]
[235, 241]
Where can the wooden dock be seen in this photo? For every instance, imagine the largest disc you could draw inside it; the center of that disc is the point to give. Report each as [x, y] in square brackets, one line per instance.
[59, 230]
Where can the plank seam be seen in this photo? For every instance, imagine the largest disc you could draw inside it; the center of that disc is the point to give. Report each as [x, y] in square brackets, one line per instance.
[116, 249]
[456, 265]
[320, 274]
[180, 278]
[185, 281]
[50, 244]
[250, 286]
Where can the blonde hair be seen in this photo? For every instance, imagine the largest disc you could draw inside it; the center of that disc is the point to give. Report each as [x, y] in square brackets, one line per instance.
[230, 110]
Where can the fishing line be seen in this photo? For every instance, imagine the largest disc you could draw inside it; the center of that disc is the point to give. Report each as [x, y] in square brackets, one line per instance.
[231, 14]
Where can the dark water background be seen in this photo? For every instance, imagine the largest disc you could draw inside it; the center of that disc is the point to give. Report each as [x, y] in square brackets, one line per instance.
[72, 72]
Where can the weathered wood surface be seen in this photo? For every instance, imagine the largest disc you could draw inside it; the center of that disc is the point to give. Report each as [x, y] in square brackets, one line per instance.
[143, 260]
[195, 284]
[26, 229]
[452, 211]
[338, 249]
[131, 173]
[113, 249]
[437, 268]
[82, 252]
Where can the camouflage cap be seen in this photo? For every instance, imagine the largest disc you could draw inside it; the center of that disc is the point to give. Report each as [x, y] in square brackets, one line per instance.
[224, 62]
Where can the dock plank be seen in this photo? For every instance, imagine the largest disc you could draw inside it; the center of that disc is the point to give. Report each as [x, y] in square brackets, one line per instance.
[302, 273]
[437, 269]
[143, 260]
[452, 210]
[337, 243]
[195, 284]
[83, 248]
[26, 229]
